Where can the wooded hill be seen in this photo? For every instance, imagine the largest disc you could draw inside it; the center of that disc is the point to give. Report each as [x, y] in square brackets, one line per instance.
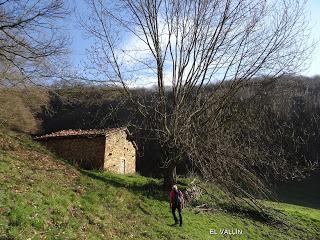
[266, 119]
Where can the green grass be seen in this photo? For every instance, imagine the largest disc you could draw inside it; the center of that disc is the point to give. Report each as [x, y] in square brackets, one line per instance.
[42, 197]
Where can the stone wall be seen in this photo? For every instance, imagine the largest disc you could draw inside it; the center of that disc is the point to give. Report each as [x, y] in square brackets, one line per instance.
[120, 154]
[85, 152]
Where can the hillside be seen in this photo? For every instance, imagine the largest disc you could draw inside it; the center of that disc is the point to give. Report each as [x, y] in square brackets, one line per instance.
[42, 197]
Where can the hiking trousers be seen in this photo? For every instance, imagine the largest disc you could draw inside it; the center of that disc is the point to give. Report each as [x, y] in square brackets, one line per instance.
[174, 208]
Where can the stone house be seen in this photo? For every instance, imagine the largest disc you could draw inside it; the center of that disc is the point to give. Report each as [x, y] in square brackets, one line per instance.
[105, 149]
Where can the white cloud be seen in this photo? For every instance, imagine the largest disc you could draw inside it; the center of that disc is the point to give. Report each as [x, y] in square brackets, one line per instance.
[314, 68]
[133, 50]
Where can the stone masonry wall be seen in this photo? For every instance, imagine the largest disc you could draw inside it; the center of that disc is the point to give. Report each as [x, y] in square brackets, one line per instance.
[120, 153]
[86, 152]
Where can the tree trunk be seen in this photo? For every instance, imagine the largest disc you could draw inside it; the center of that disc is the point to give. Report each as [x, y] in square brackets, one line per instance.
[170, 176]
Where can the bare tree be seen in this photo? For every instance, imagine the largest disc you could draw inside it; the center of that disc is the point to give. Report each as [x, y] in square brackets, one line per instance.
[260, 138]
[182, 47]
[32, 44]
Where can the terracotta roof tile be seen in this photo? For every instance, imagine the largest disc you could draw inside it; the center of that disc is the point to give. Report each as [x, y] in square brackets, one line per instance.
[79, 132]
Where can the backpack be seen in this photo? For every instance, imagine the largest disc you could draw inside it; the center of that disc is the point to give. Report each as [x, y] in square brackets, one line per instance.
[178, 198]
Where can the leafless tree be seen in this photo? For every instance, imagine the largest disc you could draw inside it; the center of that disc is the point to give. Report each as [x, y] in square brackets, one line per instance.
[32, 44]
[261, 137]
[33, 49]
[181, 48]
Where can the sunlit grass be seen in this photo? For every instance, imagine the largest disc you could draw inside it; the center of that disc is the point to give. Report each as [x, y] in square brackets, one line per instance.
[41, 197]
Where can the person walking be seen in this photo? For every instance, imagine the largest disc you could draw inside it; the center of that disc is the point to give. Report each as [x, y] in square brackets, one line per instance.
[176, 203]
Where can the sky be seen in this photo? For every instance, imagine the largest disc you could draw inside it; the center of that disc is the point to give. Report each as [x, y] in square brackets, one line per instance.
[80, 42]
[314, 8]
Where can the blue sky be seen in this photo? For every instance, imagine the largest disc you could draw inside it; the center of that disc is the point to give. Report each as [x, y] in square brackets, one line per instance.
[80, 42]
[314, 8]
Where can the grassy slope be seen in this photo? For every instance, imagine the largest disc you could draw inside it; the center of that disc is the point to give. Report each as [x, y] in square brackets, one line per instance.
[44, 198]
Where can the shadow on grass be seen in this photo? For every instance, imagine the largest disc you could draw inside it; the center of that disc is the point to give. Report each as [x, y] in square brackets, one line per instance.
[173, 225]
[254, 214]
[151, 189]
[304, 193]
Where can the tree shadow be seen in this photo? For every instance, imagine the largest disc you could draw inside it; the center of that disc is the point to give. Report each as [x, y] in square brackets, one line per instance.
[305, 193]
[173, 225]
[253, 214]
[152, 189]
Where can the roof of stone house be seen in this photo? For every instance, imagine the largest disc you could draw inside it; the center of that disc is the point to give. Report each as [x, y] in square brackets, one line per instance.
[79, 132]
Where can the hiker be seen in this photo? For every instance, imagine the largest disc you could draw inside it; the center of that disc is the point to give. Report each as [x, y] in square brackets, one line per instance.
[176, 202]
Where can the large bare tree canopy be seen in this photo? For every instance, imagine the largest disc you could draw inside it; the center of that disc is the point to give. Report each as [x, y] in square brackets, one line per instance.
[188, 50]
[30, 38]
[198, 40]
